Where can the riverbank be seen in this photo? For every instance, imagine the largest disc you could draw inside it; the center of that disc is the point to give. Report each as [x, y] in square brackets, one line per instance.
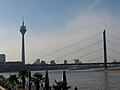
[115, 69]
[84, 79]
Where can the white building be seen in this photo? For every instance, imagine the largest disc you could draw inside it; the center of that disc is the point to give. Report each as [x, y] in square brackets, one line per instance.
[38, 61]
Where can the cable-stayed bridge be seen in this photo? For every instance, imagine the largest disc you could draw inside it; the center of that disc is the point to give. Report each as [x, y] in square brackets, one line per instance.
[98, 48]
[101, 50]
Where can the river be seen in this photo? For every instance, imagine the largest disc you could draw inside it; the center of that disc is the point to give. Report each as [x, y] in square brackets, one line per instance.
[85, 80]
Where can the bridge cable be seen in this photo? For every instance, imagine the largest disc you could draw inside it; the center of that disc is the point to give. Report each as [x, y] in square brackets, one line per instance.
[113, 43]
[114, 51]
[90, 53]
[112, 58]
[79, 50]
[94, 59]
[61, 49]
[114, 36]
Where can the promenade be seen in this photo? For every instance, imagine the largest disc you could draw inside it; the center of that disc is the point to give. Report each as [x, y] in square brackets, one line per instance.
[1, 88]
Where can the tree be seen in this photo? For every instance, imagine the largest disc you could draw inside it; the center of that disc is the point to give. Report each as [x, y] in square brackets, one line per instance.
[13, 79]
[47, 87]
[60, 85]
[37, 79]
[22, 75]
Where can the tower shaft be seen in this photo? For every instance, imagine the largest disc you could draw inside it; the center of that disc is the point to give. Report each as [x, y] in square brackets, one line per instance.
[23, 50]
[23, 31]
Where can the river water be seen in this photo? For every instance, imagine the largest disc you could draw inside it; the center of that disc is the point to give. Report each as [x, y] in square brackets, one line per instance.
[85, 80]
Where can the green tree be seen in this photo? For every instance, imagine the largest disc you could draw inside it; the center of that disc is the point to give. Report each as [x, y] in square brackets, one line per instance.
[60, 85]
[22, 75]
[37, 79]
[47, 87]
[13, 80]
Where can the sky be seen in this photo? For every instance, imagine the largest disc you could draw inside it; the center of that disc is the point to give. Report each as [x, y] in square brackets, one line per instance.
[53, 24]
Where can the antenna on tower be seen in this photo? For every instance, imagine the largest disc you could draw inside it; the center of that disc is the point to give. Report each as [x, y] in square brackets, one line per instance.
[22, 21]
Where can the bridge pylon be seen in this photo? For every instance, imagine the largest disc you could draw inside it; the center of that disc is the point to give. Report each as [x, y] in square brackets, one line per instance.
[105, 49]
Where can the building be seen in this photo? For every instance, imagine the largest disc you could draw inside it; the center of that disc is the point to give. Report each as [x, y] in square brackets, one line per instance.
[37, 61]
[52, 62]
[77, 61]
[43, 62]
[2, 58]
[65, 61]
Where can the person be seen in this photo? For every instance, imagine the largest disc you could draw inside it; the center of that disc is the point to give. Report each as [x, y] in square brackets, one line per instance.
[75, 88]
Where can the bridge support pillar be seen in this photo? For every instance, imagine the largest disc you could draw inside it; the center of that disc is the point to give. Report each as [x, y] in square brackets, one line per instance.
[105, 49]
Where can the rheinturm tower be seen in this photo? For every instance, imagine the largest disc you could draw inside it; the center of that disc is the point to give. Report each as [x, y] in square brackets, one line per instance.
[23, 30]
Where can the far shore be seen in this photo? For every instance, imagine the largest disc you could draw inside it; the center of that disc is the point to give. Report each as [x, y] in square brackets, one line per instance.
[116, 69]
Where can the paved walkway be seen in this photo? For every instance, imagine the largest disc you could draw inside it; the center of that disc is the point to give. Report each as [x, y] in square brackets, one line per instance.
[1, 88]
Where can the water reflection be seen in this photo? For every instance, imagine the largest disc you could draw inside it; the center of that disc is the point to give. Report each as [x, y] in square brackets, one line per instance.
[106, 83]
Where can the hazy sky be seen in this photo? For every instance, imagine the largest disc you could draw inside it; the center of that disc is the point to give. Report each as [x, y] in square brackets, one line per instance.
[53, 24]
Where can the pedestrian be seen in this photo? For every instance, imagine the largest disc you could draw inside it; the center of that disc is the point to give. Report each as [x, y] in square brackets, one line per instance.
[75, 88]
